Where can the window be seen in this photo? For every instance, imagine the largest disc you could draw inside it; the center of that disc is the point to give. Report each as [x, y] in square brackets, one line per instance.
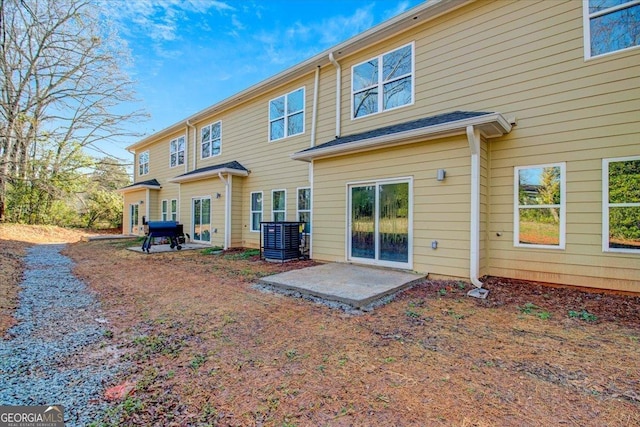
[621, 205]
[176, 151]
[211, 140]
[143, 163]
[279, 205]
[256, 210]
[539, 206]
[174, 210]
[286, 115]
[610, 26]
[383, 83]
[165, 205]
[304, 208]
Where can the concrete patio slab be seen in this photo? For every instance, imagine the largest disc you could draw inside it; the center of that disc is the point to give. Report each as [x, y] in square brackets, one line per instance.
[349, 284]
[157, 249]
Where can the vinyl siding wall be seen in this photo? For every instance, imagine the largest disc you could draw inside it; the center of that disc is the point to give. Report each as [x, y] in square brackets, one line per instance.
[523, 59]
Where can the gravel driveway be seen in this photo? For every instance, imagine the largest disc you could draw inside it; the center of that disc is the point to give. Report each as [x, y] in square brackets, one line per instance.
[58, 352]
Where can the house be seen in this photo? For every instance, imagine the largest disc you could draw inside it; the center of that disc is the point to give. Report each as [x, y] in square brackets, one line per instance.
[459, 139]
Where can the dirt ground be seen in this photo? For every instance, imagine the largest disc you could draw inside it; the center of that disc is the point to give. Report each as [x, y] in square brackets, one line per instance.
[208, 348]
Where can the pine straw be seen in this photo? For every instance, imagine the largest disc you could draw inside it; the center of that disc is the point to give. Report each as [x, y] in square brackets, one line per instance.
[209, 348]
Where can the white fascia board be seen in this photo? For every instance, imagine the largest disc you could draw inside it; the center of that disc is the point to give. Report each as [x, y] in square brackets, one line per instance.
[208, 174]
[138, 188]
[490, 126]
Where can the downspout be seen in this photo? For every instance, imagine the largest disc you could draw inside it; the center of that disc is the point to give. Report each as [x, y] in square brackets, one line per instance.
[227, 209]
[189, 125]
[338, 92]
[147, 209]
[473, 136]
[314, 113]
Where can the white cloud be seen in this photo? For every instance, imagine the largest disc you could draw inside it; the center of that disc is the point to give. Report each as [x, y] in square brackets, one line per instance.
[401, 7]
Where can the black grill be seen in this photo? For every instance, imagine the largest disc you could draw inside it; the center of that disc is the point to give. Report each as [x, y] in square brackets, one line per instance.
[168, 229]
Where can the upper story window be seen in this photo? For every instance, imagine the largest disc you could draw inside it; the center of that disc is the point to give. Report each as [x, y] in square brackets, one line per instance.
[211, 140]
[621, 205]
[540, 206]
[610, 26]
[383, 82]
[286, 115]
[143, 163]
[176, 152]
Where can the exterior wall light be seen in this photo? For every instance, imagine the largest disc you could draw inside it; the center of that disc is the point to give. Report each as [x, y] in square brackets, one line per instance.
[441, 174]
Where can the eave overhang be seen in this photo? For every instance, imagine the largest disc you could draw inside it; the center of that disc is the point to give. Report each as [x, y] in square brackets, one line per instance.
[145, 185]
[490, 125]
[211, 172]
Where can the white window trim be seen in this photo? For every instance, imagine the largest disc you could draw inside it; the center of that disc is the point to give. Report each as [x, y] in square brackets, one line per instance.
[310, 210]
[251, 211]
[164, 209]
[606, 205]
[381, 82]
[273, 212]
[210, 126]
[286, 116]
[563, 209]
[184, 156]
[171, 212]
[409, 264]
[586, 26]
[141, 164]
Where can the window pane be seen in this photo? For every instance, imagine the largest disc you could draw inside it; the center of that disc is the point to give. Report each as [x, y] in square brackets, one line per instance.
[205, 149]
[539, 186]
[173, 159]
[393, 222]
[295, 124]
[396, 63]
[615, 31]
[304, 199]
[256, 202]
[397, 93]
[295, 101]
[277, 129]
[278, 201]
[624, 182]
[278, 216]
[306, 218]
[146, 168]
[363, 222]
[598, 5]
[215, 131]
[624, 227]
[365, 102]
[256, 219]
[181, 144]
[173, 146]
[365, 75]
[216, 147]
[181, 158]
[540, 226]
[205, 133]
[276, 108]
[206, 211]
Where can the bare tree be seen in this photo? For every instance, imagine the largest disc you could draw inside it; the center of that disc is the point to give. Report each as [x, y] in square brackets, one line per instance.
[61, 80]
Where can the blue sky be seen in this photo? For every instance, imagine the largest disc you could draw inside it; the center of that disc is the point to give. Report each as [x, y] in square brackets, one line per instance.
[190, 54]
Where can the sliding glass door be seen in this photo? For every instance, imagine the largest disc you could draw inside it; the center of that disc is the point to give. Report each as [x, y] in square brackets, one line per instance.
[201, 209]
[380, 223]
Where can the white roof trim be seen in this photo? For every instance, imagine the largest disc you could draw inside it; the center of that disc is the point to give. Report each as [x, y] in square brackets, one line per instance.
[138, 187]
[490, 126]
[208, 174]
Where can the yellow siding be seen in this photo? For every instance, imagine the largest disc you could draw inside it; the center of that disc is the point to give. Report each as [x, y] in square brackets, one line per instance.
[522, 59]
[441, 210]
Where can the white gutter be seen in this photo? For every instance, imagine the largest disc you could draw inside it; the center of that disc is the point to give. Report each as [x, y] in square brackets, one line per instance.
[314, 113]
[227, 209]
[189, 125]
[338, 92]
[473, 136]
